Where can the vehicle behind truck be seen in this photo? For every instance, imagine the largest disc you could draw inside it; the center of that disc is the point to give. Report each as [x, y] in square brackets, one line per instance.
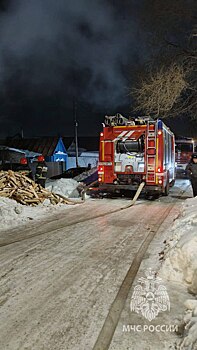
[184, 148]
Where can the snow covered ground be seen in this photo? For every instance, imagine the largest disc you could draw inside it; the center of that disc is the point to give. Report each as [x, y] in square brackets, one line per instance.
[13, 214]
[57, 286]
[180, 265]
[70, 271]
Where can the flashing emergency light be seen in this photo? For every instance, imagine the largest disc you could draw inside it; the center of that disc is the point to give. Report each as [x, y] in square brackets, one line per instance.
[101, 134]
[159, 132]
[159, 125]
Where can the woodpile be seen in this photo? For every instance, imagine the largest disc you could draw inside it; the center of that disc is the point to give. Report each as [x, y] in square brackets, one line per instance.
[25, 191]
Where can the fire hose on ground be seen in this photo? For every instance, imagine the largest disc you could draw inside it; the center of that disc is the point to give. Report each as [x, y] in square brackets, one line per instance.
[84, 190]
[139, 190]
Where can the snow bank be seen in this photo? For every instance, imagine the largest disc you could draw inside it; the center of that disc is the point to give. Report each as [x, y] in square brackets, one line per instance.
[66, 187]
[10, 210]
[13, 214]
[180, 264]
[189, 323]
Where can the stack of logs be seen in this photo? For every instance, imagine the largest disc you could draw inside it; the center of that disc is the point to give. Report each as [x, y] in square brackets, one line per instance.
[25, 191]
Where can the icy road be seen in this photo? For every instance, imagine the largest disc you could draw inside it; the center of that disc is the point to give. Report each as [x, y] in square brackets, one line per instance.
[65, 282]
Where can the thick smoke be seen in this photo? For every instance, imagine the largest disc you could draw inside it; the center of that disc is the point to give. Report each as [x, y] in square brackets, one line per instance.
[65, 49]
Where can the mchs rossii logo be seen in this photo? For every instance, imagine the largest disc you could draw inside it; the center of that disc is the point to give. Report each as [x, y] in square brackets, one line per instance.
[150, 296]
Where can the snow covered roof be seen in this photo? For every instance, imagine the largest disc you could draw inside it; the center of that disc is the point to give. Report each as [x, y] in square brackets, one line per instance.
[89, 154]
[5, 148]
[27, 153]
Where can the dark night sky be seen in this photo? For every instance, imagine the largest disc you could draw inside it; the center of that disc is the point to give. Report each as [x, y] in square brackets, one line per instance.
[52, 52]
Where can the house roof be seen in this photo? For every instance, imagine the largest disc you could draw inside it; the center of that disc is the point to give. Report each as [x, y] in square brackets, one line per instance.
[45, 145]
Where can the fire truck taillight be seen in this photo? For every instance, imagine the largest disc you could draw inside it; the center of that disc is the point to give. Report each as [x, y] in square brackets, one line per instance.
[100, 169]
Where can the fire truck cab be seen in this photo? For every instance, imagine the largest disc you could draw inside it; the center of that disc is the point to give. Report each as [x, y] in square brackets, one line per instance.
[136, 150]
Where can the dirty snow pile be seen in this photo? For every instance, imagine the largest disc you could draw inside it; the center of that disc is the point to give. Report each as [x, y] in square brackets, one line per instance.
[13, 214]
[66, 187]
[180, 265]
[181, 249]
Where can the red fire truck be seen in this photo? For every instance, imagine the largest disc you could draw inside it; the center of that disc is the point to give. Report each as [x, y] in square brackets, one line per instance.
[184, 147]
[133, 151]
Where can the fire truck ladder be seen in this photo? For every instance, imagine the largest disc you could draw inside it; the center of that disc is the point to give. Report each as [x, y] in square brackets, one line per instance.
[151, 156]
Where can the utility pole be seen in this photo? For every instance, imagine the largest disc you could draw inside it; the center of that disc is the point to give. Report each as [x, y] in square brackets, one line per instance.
[76, 135]
[22, 133]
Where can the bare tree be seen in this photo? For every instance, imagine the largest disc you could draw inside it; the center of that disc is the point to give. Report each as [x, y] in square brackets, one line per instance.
[160, 91]
[169, 85]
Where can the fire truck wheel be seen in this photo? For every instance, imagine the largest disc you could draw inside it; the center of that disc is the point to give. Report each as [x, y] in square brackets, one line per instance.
[127, 193]
[167, 188]
[152, 196]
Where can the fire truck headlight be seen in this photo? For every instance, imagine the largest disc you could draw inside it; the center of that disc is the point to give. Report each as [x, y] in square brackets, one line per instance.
[99, 179]
[160, 182]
